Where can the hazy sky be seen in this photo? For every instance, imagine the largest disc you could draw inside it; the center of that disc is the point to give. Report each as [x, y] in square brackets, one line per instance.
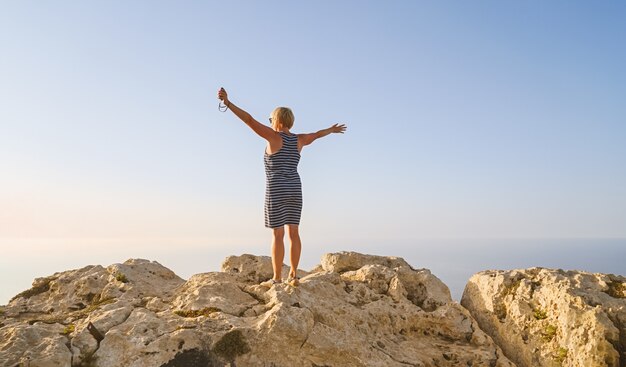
[465, 119]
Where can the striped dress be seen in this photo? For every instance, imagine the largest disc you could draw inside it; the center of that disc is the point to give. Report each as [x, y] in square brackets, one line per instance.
[283, 190]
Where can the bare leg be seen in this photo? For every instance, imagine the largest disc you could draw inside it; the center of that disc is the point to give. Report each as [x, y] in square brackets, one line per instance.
[296, 248]
[278, 251]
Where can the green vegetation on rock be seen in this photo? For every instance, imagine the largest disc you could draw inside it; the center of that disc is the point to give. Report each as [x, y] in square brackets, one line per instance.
[42, 286]
[561, 354]
[92, 307]
[549, 333]
[539, 314]
[231, 345]
[120, 277]
[616, 289]
[197, 313]
[68, 329]
[511, 288]
[500, 311]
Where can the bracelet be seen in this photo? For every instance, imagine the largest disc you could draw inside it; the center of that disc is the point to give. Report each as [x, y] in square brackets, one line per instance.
[225, 107]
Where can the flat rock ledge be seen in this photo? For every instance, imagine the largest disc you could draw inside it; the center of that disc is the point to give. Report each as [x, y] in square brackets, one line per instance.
[351, 310]
[545, 317]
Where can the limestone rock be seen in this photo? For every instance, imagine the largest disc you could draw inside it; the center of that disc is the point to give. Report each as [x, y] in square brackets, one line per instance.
[354, 310]
[72, 299]
[544, 317]
[218, 290]
[254, 268]
[345, 261]
[72, 291]
[40, 345]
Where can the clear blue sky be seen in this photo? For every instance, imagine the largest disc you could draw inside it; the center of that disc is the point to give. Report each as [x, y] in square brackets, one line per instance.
[465, 120]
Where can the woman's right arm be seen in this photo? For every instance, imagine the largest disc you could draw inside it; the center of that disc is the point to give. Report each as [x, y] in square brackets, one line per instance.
[263, 131]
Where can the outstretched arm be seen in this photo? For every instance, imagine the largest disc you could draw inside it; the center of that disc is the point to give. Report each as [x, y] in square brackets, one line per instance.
[306, 139]
[263, 131]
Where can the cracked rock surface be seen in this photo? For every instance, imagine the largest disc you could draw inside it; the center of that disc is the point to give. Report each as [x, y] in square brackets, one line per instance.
[351, 310]
[545, 317]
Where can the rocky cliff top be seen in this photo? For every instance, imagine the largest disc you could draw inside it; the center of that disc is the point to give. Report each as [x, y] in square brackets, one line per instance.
[351, 310]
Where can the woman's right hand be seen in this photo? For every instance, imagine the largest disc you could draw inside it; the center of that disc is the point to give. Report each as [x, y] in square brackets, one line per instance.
[221, 94]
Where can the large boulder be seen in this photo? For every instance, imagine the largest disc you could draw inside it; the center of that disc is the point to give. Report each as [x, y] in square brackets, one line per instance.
[74, 299]
[544, 317]
[340, 262]
[40, 344]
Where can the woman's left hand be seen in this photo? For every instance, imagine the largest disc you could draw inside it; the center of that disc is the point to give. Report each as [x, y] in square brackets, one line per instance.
[336, 128]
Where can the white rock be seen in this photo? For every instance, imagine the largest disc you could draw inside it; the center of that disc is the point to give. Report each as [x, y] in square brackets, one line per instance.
[542, 317]
[206, 290]
[38, 345]
[345, 261]
[144, 278]
[255, 269]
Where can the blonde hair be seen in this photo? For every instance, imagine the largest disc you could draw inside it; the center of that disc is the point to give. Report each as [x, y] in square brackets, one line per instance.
[283, 116]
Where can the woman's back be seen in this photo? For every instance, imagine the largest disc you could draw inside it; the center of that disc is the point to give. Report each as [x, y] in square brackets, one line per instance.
[283, 193]
[285, 160]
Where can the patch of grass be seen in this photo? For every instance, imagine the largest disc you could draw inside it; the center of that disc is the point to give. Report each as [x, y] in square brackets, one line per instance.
[549, 333]
[1, 310]
[231, 345]
[90, 297]
[500, 311]
[511, 288]
[540, 314]
[68, 329]
[94, 306]
[41, 287]
[197, 313]
[71, 316]
[616, 290]
[121, 277]
[561, 355]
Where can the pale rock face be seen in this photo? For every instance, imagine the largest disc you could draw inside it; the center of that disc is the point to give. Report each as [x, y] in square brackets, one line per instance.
[102, 296]
[145, 278]
[153, 340]
[354, 310]
[83, 343]
[345, 261]
[544, 317]
[62, 292]
[218, 290]
[40, 345]
[254, 268]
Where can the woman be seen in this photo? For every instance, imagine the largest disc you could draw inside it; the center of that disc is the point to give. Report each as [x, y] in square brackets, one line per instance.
[283, 193]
